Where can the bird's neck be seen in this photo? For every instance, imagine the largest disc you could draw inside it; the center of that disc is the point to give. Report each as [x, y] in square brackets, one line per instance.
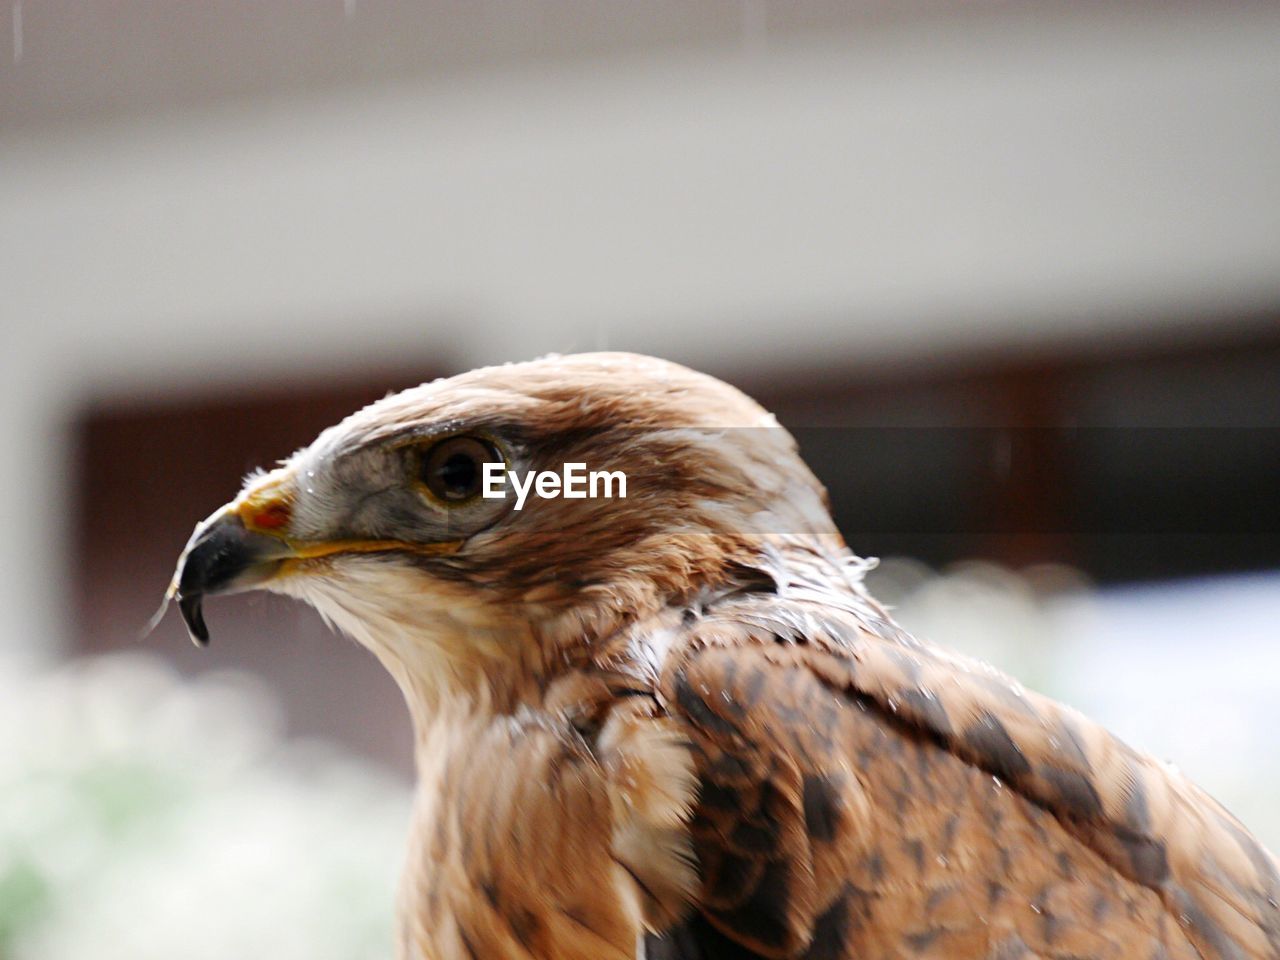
[491, 660]
[467, 672]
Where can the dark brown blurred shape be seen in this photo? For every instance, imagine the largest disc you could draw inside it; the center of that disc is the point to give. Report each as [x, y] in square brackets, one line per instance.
[1135, 461]
[1149, 462]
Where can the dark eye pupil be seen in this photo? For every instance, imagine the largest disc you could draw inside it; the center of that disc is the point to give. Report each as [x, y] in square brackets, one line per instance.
[453, 469]
[459, 474]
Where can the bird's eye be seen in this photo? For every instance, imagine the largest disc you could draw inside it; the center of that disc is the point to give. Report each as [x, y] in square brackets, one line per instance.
[453, 470]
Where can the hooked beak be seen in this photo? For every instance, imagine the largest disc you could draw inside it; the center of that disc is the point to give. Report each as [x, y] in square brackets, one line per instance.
[222, 556]
[246, 543]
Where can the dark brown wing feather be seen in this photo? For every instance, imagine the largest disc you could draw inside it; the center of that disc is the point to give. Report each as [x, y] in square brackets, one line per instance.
[864, 795]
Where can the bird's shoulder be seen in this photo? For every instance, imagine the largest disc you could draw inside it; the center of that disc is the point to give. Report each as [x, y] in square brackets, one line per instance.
[818, 724]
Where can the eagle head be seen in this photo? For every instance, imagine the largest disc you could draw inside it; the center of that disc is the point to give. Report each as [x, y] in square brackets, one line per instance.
[404, 525]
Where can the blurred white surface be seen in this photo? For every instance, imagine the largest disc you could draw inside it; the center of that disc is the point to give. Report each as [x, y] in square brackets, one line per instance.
[144, 818]
[939, 185]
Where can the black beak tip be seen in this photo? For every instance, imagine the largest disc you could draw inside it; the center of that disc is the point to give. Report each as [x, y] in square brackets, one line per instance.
[192, 608]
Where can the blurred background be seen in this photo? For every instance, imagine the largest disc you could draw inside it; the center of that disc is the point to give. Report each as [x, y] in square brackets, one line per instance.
[1010, 271]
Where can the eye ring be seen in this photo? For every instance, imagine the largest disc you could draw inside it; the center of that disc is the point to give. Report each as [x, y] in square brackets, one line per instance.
[452, 470]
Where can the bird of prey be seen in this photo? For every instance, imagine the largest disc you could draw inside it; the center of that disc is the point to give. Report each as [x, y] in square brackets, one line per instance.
[674, 725]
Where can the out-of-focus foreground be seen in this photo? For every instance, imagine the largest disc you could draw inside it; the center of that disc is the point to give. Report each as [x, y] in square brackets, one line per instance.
[142, 816]
[1009, 271]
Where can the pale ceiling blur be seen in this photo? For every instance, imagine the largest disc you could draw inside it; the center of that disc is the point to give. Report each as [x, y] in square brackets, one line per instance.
[77, 59]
